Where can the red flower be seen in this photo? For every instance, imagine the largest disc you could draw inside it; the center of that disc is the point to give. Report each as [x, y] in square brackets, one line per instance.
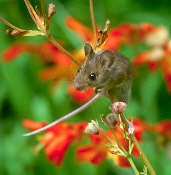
[51, 53]
[16, 49]
[61, 66]
[32, 125]
[157, 58]
[85, 33]
[166, 69]
[116, 37]
[139, 126]
[163, 128]
[121, 161]
[80, 96]
[145, 29]
[57, 138]
[94, 153]
[139, 129]
[120, 35]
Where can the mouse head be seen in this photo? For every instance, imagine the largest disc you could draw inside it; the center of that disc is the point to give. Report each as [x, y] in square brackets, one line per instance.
[95, 71]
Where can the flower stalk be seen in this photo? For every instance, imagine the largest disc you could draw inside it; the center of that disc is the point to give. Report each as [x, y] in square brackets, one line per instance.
[133, 165]
[142, 154]
[62, 49]
[126, 153]
[93, 23]
[42, 23]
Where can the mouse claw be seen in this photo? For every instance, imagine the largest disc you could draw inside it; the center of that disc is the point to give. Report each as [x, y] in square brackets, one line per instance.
[118, 107]
[131, 127]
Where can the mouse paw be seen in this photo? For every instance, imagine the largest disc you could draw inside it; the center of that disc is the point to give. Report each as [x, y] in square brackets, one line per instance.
[118, 107]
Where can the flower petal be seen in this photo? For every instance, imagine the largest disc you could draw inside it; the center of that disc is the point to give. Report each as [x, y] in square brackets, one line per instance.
[79, 28]
[80, 96]
[32, 125]
[57, 147]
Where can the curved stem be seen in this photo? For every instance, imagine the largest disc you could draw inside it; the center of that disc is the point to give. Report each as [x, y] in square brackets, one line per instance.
[53, 40]
[11, 25]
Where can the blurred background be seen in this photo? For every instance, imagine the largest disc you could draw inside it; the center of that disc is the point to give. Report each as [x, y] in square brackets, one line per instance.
[23, 93]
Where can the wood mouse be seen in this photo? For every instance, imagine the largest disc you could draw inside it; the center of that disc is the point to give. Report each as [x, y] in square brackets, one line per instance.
[105, 70]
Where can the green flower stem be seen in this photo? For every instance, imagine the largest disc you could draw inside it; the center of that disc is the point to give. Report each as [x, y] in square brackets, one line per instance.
[117, 140]
[133, 165]
[123, 149]
[142, 154]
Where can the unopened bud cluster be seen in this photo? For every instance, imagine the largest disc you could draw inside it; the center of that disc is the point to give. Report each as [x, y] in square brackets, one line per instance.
[92, 128]
[112, 119]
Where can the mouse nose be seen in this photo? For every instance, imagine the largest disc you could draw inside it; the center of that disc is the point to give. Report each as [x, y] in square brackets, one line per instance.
[78, 86]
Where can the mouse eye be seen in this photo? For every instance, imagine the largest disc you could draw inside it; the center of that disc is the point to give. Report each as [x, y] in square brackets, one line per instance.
[92, 76]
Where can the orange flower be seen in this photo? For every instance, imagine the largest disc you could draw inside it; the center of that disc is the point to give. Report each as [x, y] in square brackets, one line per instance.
[94, 153]
[17, 49]
[145, 29]
[157, 58]
[52, 54]
[121, 161]
[56, 147]
[57, 138]
[120, 35]
[61, 66]
[85, 33]
[80, 96]
[163, 128]
[117, 36]
[151, 58]
[32, 125]
[139, 126]
[166, 69]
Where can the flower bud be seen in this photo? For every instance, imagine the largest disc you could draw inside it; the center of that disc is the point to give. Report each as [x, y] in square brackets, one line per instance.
[118, 107]
[92, 128]
[112, 119]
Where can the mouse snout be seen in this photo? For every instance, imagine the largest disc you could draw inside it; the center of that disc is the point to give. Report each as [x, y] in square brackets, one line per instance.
[78, 86]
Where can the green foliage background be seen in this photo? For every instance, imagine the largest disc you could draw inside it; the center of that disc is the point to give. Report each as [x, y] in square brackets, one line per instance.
[23, 95]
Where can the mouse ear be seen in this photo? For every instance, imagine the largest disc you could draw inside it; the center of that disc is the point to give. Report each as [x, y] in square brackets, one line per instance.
[89, 52]
[107, 59]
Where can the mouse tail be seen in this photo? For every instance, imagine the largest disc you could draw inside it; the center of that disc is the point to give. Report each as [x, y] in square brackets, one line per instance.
[78, 110]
